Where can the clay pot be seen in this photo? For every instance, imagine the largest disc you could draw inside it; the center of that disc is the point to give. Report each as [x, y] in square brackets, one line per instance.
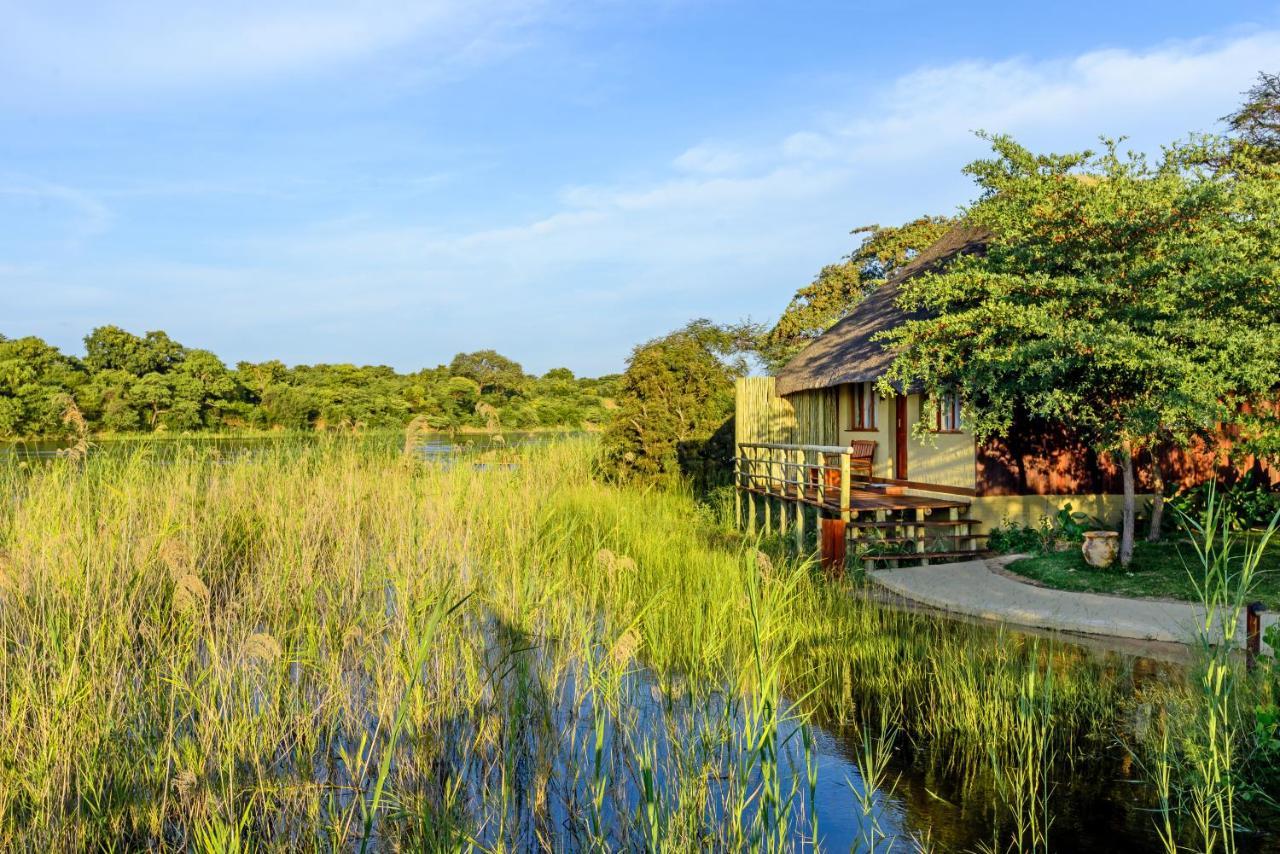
[1101, 548]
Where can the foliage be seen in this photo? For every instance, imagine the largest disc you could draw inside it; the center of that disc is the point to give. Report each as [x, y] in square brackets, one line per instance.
[127, 383]
[1255, 126]
[675, 401]
[1065, 527]
[1250, 502]
[1136, 303]
[839, 287]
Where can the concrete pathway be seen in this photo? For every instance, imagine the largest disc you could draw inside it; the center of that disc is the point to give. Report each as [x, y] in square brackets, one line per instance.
[981, 590]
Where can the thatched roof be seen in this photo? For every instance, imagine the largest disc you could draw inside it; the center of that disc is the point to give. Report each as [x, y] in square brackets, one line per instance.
[847, 353]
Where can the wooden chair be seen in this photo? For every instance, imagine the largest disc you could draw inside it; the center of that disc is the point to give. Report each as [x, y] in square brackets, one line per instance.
[861, 454]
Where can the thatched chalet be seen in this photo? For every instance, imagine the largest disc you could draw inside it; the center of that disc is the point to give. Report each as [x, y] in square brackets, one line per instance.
[819, 435]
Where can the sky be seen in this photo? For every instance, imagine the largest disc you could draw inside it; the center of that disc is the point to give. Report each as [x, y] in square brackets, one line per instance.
[386, 182]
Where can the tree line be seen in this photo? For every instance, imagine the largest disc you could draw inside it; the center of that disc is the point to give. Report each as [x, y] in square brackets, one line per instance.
[128, 383]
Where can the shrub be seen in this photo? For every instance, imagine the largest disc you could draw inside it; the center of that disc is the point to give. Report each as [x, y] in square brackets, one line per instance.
[1065, 526]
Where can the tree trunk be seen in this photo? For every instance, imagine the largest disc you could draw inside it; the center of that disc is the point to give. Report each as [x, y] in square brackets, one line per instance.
[1157, 502]
[1126, 530]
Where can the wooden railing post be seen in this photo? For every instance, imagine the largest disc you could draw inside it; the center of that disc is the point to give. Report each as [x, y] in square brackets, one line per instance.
[799, 478]
[844, 486]
[737, 485]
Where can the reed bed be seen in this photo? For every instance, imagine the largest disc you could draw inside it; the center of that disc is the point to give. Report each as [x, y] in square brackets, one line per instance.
[335, 645]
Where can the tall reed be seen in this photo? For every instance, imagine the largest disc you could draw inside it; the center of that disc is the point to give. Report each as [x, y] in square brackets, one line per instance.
[331, 644]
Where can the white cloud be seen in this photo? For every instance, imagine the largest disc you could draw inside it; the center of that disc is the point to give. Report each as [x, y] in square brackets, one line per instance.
[711, 159]
[1154, 96]
[722, 230]
[66, 214]
[154, 45]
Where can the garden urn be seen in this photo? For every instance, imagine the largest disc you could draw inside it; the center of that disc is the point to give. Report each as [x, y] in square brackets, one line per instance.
[1100, 548]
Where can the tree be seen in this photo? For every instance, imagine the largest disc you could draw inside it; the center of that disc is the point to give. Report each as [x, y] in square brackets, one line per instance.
[676, 394]
[110, 347]
[34, 379]
[154, 393]
[1137, 304]
[839, 287]
[493, 372]
[1255, 126]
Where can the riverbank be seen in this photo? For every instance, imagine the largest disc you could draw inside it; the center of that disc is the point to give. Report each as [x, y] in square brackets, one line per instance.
[231, 435]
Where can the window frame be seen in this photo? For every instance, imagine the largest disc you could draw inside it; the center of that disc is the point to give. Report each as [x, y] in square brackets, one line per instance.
[863, 406]
[949, 402]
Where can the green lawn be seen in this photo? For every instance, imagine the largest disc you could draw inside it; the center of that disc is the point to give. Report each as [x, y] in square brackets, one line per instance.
[1158, 569]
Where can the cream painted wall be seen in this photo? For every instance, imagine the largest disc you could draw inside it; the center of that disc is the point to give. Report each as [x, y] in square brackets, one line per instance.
[947, 459]
[995, 510]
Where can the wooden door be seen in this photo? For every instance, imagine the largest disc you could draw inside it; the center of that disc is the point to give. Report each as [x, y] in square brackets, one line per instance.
[902, 433]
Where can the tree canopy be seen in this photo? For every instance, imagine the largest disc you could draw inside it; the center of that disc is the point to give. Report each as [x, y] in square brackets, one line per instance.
[1136, 302]
[1255, 126]
[675, 402]
[128, 383]
[839, 287]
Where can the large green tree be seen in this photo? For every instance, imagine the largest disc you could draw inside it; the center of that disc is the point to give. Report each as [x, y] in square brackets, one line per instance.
[1136, 302]
[839, 287]
[676, 398]
[34, 381]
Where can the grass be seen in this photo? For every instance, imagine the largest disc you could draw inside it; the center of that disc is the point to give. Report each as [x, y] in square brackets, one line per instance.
[1166, 570]
[333, 645]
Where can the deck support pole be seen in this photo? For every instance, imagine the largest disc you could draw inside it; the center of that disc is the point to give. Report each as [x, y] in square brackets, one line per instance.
[1253, 633]
[751, 513]
[768, 514]
[844, 488]
[834, 530]
[782, 516]
[799, 528]
[737, 487]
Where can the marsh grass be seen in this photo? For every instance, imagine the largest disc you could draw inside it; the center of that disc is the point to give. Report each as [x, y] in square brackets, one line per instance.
[332, 645]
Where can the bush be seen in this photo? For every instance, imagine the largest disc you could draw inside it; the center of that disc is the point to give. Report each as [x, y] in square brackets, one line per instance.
[674, 413]
[1250, 502]
[1065, 526]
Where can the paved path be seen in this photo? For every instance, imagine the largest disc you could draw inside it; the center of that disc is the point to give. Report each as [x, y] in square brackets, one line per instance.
[974, 588]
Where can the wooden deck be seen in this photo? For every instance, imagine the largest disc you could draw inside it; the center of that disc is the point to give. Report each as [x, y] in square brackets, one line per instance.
[882, 523]
[861, 499]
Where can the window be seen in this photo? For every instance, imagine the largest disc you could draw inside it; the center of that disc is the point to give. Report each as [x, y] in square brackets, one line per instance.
[862, 406]
[949, 413]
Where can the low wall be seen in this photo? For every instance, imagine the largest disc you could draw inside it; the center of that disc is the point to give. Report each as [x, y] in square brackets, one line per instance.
[994, 510]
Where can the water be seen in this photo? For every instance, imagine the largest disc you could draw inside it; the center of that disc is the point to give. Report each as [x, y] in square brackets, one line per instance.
[437, 447]
[1098, 802]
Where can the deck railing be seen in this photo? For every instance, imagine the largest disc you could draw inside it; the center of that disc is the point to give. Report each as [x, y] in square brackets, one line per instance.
[816, 474]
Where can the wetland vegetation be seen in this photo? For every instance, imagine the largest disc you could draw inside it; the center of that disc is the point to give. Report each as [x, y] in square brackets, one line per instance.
[338, 645]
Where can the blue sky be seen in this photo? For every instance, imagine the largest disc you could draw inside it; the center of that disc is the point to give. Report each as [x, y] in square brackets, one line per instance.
[389, 182]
